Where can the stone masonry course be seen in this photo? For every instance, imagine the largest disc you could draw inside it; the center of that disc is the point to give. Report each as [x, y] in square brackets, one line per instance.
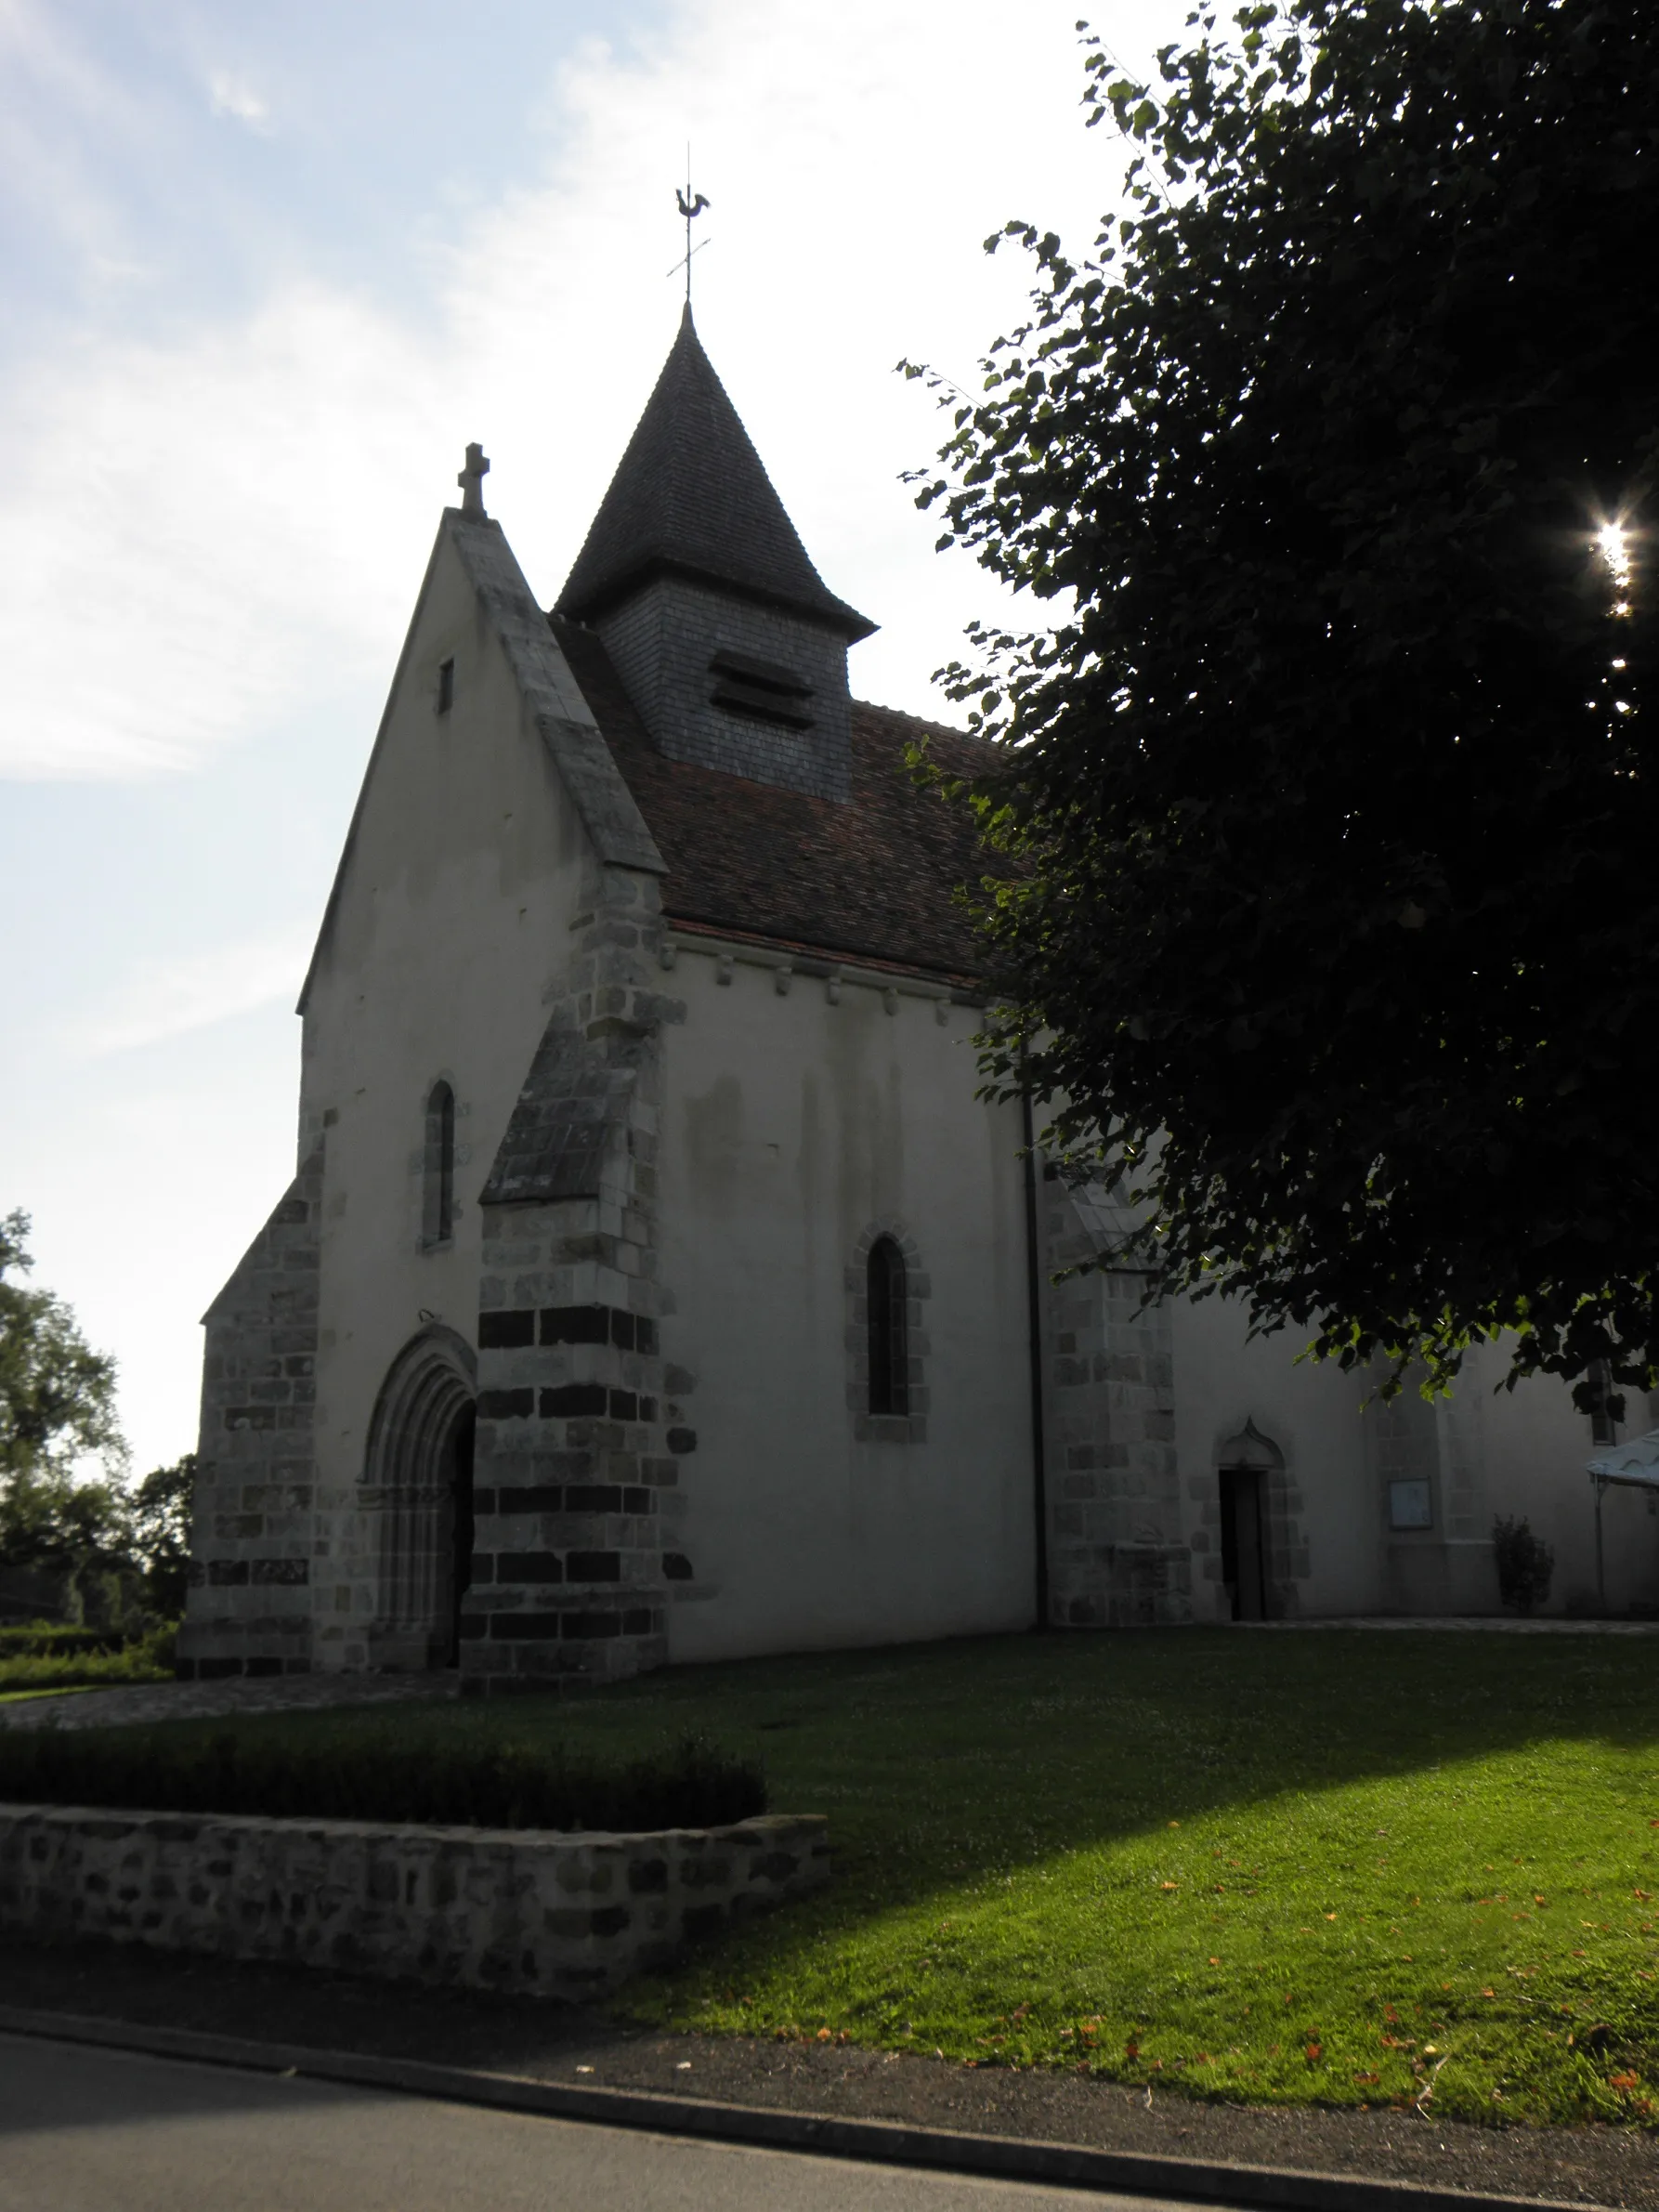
[567, 1917]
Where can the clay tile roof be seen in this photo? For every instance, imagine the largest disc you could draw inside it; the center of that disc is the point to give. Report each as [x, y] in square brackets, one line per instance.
[872, 879]
[692, 497]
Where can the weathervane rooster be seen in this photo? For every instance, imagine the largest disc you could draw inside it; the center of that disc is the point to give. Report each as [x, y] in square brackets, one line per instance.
[690, 207]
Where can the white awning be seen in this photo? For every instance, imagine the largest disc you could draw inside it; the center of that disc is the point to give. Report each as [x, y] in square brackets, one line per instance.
[1636, 1463]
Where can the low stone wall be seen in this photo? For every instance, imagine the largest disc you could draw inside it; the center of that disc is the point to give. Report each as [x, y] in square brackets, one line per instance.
[533, 1910]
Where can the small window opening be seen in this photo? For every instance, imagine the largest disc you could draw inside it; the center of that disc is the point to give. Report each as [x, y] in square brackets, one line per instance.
[889, 1336]
[761, 689]
[1411, 1504]
[1606, 1404]
[438, 1211]
[446, 684]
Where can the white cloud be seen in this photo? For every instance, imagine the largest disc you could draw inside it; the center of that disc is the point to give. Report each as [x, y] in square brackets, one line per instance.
[159, 998]
[207, 533]
[233, 96]
[60, 96]
[203, 532]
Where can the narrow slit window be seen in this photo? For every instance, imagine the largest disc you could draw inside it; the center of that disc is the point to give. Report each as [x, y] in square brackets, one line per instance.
[439, 1221]
[1605, 1405]
[446, 684]
[889, 1336]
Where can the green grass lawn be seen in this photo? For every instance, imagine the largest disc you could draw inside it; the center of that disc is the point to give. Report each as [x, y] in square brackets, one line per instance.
[1343, 1868]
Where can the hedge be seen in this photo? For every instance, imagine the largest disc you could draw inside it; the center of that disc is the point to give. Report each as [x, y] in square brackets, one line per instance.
[361, 1776]
[51, 1640]
[105, 1660]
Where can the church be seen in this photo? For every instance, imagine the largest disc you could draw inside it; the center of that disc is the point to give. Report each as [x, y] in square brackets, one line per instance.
[653, 1285]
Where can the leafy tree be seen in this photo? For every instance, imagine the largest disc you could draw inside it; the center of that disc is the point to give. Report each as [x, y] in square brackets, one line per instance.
[1330, 910]
[56, 1412]
[161, 1534]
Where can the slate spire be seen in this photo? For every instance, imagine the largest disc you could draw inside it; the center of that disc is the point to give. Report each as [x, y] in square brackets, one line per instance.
[691, 498]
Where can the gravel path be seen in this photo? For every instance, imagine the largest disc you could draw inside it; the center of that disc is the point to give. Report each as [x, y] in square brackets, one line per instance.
[140, 1702]
[1497, 1624]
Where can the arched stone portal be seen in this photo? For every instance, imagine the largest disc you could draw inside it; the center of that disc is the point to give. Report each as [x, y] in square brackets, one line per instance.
[418, 1480]
[1263, 1554]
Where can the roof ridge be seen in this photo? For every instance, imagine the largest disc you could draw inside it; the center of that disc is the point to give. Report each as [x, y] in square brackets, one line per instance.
[946, 729]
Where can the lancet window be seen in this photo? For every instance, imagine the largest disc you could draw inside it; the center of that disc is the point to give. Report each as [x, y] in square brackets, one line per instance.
[887, 1308]
[437, 1223]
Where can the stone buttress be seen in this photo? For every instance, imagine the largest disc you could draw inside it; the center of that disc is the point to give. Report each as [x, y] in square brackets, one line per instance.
[1117, 1556]
[579, 1455]
[249, 1609]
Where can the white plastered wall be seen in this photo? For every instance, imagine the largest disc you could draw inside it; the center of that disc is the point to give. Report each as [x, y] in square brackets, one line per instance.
[1311, 1414]
[795, 1122]
[1485, 1451]
[451, 925]
[1537, 1444]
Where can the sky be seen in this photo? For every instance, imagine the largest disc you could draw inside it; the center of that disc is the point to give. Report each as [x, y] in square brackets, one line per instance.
[269, 266]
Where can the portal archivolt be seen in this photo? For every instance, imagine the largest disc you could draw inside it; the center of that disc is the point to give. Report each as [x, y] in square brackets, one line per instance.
[418, 1484]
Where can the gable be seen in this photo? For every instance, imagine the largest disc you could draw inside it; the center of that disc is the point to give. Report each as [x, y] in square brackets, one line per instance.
[474, 604]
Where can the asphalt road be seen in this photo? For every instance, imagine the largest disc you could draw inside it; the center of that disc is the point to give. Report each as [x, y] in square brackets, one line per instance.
[89, 2130]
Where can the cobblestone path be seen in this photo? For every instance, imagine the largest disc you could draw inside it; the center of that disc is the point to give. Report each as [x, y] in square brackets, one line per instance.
[137, 1702]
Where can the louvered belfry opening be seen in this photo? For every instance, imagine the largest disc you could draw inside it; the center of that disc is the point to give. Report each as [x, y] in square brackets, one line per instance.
[889, 1335]
[762, 690]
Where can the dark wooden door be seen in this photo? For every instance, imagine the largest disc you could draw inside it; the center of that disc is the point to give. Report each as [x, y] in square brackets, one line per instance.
[1242, 1564]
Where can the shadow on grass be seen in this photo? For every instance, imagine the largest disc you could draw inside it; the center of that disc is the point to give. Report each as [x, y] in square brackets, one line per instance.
[1277, 1867]
[998, 1753]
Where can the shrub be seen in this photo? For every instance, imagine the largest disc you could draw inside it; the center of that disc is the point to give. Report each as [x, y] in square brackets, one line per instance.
[357, 1775]
[78, 1659]
[1524, 1565]
[50, 1639]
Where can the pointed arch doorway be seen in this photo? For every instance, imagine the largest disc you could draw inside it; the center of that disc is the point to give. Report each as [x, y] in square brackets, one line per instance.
[1248, 1463]
[418, 1487]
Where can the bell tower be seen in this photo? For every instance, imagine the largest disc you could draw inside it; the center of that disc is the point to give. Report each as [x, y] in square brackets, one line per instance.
[731, 648]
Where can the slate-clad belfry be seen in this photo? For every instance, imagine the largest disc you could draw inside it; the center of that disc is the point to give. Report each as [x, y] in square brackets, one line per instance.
[654, 1283]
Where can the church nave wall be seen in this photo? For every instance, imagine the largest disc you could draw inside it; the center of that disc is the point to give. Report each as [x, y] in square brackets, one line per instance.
[810, 1109]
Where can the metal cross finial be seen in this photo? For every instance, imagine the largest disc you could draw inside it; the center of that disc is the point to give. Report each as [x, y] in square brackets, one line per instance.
[690, 207]
[471, 482]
